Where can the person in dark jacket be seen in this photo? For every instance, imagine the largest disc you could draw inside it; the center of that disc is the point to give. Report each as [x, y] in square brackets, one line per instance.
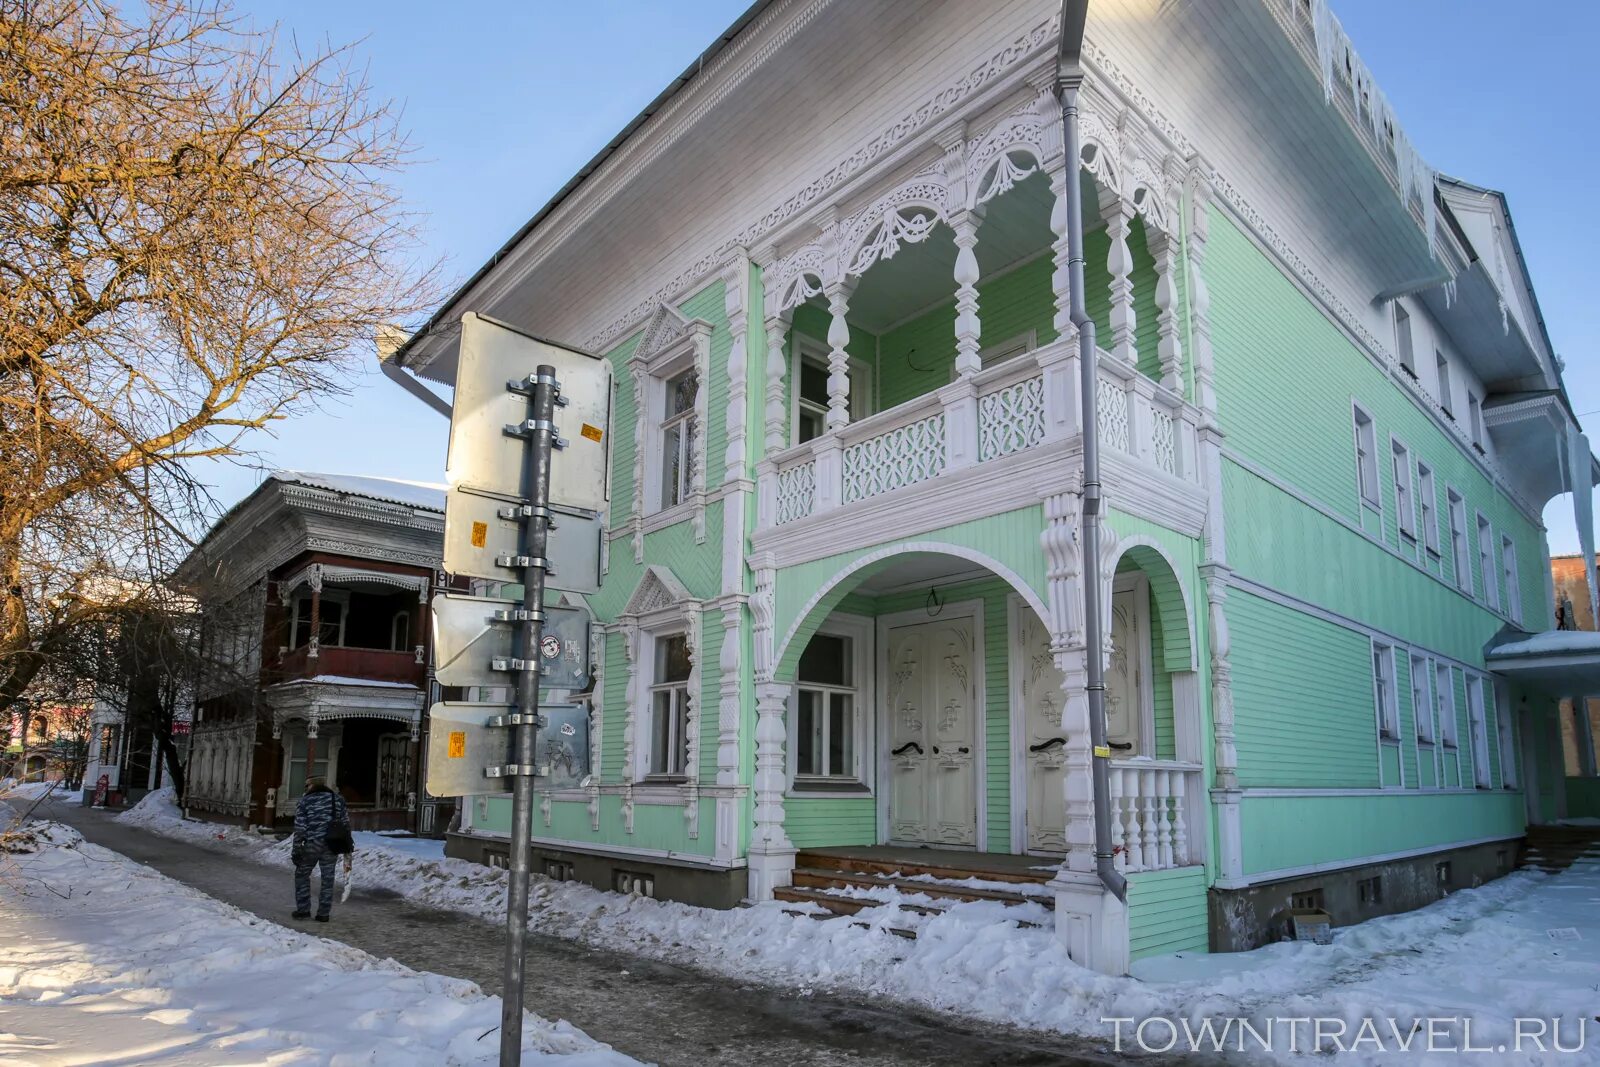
[321, 827]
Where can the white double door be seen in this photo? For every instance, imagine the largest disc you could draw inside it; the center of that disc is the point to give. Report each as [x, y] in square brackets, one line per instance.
[1038, 691]
[931, 684]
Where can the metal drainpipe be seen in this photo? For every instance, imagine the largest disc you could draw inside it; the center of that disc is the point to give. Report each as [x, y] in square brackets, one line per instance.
[1069, 79]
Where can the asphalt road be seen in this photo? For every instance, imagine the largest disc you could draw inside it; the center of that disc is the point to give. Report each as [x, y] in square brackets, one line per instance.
[653, 1011]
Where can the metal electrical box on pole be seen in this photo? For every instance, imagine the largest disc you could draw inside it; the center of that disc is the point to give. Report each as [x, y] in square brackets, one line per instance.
[528, 473]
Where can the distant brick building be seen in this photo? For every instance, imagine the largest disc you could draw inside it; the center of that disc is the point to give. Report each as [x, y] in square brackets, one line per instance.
[1573, 613]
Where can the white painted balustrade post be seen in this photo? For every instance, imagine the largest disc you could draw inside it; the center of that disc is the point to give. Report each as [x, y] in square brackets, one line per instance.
[960, 401]
[968, 329]
[1118, 215]
[1164, 248]
[830, 473]
[1180, 831]
[1063, 413]
[838, 359]
[1147, 817]
[1118, 836]
[1164, 815]
[1142, 423]
[766, 494]
[1131, 835]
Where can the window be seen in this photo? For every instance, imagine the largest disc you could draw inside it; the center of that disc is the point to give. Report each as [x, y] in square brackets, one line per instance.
[1370, 891]
[330, 616]
[1445, 694]
[1442, 872]
[1475, 420]
[1486, 568]
[668, 754]
[1309, 900]
[1405, 510]
[1458, 540]
[1480, 733]
[1508, 571]
[808, 370]
[1010, 348]
[1444, 383]
[1502, 729]
[1421, 706]
[400, 632]
[1426, 501]
[1402, 339]
[677, 437]
[1383, 686]
[825, 709]
[1367, 459]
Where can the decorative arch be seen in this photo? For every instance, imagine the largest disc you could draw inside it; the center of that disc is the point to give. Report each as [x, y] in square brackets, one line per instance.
[787, 654]
[1167, 590]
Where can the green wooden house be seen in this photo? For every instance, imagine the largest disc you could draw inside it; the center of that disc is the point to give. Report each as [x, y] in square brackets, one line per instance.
[841, 626]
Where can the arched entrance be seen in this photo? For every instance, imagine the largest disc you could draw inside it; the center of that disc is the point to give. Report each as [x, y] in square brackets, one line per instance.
[895, 684]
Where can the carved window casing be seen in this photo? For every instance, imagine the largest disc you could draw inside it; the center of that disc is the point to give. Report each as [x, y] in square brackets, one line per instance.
[671, 368]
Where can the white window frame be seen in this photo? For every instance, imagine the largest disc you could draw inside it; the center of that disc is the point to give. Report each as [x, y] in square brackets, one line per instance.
[1475, 418]
[661, 424]
[804, 347]
[1368, 487]
[1445, 705]
[1486, 562]
[1441, 367]
[1503, 730]
[1012, 347]
[1460, 555]
[1423, 710]
[1508, 572]
[1404, 342]
[680, 698]
[1427, 495]
[861, 632]
[393, 623]
[1478, 727]
[329, 596]
[1404, 501]
[1385, 700]
[651, 374]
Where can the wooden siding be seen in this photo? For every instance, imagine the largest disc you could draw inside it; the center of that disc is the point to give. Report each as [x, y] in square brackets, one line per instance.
[1167, 912]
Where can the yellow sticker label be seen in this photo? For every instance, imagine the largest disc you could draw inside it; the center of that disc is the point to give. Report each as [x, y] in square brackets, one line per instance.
[593, 433]
[1103, 751]
[480, 534]
[458, 744]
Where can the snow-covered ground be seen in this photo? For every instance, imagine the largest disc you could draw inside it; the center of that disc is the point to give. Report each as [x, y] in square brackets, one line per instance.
[1525, 946]
[105, 961]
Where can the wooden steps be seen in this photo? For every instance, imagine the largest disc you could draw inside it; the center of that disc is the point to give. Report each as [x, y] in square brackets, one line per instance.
[1555, 848]
[824, 877]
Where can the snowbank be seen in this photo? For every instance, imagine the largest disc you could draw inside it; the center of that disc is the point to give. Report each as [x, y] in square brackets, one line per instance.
[1486, 953]
[104, 960]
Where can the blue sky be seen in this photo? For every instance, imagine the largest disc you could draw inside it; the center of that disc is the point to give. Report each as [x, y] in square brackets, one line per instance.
[505, 101]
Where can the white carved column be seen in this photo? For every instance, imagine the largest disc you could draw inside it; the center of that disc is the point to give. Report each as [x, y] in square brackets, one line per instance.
[597, 715]
[691, 726]
[701, 333]
[1164, 247]
[1061, 277]
[771, 853]
[1199, 294]
[968, 329]
[641, 415]
[735, 303]
[777, 410]
[1118, 215]
[838, 294]
[631, 726]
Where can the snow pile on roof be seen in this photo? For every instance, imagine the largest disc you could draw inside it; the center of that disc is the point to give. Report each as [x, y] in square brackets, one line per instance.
[103, 960]
[428, 495]
[1550, 642]
[1488, 953]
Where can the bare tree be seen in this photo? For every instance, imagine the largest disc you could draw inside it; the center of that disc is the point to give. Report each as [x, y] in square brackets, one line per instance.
[197, 239]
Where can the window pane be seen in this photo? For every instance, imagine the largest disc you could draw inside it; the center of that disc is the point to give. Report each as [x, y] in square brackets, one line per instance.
[808, 733]
[660, 728]
[672, 659]
[681, 392]
[671, 465]
[814, 382]
[826, 660]
[841, 748]
[810, 428]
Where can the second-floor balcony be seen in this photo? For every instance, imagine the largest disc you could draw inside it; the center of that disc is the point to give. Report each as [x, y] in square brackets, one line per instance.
[371, 664]
[1026, 403]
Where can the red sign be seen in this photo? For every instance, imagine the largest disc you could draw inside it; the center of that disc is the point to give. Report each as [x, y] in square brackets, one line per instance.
[180, 726]
[101, 788]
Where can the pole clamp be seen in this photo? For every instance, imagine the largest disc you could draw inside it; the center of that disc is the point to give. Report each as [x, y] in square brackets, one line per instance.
[528, 384]
[515, 719]
[539, 562]
[529, 511]
[513, 770]
[528, 427]
[519, 615]
[513, 663]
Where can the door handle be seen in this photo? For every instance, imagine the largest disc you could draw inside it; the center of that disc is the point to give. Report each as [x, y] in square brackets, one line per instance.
[907, 746]
[1046, 746]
